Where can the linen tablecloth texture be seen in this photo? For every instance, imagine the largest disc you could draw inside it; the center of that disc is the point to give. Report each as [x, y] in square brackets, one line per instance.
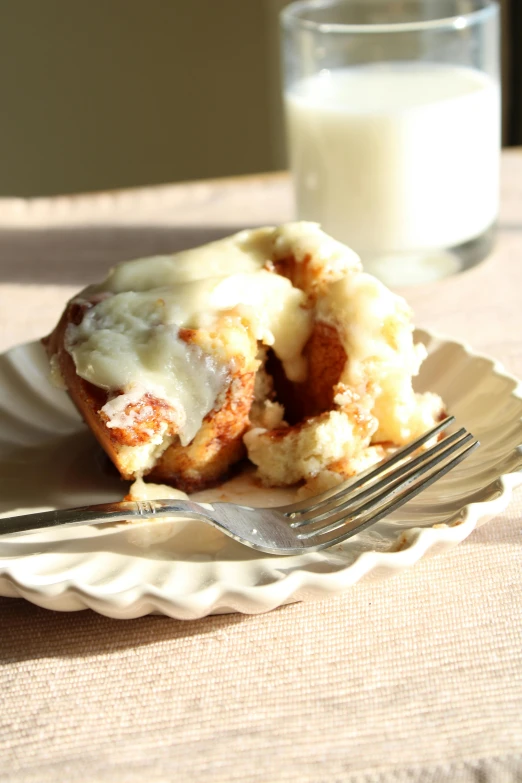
[416, 678]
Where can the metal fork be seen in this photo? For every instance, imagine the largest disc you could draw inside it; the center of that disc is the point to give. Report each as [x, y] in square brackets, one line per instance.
[316, 523]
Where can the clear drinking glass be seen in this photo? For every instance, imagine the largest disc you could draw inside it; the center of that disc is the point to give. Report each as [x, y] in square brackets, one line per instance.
[393, 125]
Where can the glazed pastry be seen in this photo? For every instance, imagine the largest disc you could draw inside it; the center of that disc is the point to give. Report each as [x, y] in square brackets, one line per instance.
[271, 344]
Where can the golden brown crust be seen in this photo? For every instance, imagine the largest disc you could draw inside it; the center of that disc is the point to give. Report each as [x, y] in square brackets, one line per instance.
[304, 274]
[326, 359]
[217, 446]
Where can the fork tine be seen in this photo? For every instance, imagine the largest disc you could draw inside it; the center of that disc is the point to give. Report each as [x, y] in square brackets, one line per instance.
[371, 473]
[354, 526]
[385, 502]
[389, 480]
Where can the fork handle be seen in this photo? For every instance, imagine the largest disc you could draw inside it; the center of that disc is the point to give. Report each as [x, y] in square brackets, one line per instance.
[102, 513]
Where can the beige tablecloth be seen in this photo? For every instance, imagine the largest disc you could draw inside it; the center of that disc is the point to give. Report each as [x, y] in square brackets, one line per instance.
[414, 679]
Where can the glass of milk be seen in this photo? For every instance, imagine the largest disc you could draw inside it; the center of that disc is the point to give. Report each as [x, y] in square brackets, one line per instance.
[393, 125]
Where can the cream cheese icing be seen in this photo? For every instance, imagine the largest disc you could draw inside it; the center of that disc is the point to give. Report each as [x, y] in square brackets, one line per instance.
[128, 341]
[179, 328]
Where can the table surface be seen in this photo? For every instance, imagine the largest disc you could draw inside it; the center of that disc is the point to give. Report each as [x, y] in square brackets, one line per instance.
[416, 678]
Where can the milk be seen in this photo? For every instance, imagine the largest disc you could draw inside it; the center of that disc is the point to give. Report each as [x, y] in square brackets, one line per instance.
[398, 157]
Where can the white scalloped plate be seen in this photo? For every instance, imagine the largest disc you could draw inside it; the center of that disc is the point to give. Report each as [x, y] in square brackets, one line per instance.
[187, 569]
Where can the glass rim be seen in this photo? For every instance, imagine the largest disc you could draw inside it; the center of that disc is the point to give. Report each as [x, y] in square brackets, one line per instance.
[290, 18]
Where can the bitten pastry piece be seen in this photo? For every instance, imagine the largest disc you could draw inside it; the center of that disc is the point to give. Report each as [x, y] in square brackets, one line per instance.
[361, 360]
[272, 342]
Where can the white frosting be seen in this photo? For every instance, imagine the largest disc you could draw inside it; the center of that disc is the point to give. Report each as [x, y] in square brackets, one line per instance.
[374, 324]
[125, 343]
[128, 342]
[304, 240]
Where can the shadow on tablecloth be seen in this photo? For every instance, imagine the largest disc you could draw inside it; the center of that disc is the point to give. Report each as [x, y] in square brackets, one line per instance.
[79, 255]
[31, 633]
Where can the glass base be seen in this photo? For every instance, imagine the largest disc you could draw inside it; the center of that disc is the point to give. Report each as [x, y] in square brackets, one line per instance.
[397, 270]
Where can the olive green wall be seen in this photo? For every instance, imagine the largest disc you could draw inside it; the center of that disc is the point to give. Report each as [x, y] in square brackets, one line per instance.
[112, 93]
[99, 94]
